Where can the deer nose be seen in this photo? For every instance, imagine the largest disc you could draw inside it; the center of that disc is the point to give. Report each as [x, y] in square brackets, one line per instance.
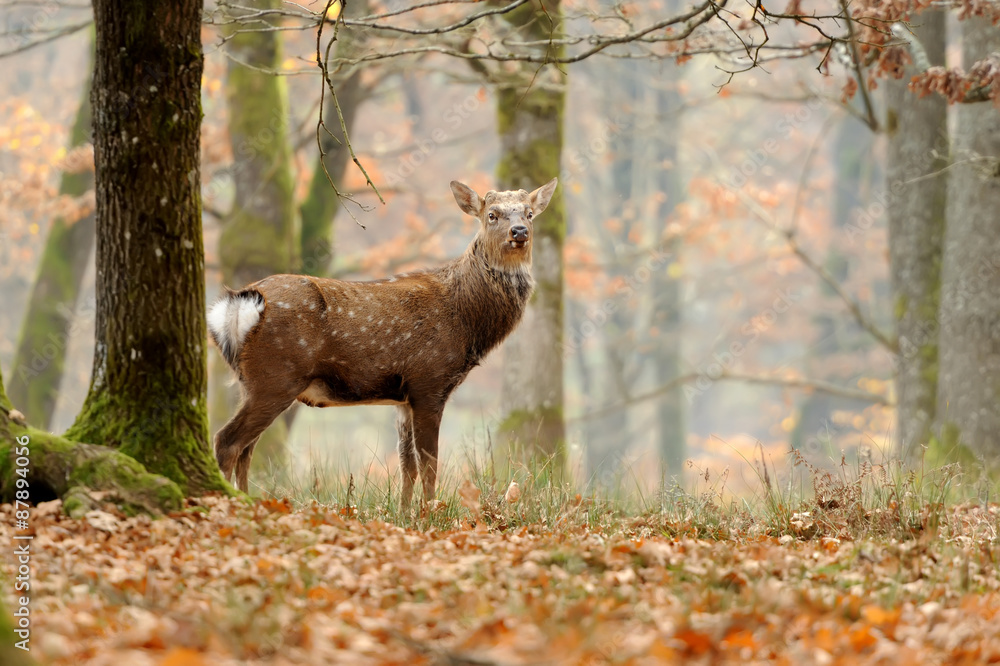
[519, 232]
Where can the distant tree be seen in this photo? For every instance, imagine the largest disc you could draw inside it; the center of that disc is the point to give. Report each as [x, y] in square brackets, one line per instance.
[319, 209]
[530, 107]
[916, 187]
[147, 390]
[968, 395]
[44, 340]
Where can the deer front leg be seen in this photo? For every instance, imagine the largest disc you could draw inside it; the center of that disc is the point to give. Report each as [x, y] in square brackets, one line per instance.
[407, 455]
[234, 443]
[426, 424]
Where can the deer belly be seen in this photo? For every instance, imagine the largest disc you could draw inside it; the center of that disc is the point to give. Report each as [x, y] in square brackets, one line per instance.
[327, 393]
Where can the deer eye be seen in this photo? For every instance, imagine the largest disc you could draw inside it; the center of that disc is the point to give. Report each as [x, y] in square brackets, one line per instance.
[493, 217]
[530, 214]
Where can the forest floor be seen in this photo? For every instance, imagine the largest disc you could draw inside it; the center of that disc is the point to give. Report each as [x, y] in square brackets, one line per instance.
[235, 581]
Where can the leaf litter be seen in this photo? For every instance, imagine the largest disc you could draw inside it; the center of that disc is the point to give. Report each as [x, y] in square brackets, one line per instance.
[232, 582]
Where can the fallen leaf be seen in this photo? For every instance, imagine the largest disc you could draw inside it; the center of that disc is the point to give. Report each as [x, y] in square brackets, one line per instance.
[470, 496]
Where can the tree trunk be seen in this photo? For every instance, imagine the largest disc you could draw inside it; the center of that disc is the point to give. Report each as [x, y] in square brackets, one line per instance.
[968, 398]
[530, 108]
[260, 237]
[45, 332]
[918, 148]
[664, 190]
[147, 390]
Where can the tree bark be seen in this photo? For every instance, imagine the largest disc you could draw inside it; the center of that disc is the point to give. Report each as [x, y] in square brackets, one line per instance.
[918, 149]
[530, 122]
[147, 390]
[42, 345]
[260, 237]
[968, 397]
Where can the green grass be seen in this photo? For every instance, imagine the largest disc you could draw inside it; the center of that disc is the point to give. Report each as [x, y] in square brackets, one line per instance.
[860, 499]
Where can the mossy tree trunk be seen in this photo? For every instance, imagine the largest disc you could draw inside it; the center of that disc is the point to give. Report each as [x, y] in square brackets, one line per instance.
[530, 108]
[147, 390]
[319, 209]
[71, 470]
[968, 397]
[45, 333]
[260, 237]
[918, 149]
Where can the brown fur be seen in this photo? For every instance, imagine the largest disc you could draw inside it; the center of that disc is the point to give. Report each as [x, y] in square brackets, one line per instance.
[408, 340]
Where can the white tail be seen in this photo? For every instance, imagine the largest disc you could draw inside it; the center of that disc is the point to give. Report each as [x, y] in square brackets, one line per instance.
[231, 318]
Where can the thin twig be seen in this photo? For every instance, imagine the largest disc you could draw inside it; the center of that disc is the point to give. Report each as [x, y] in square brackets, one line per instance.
[786, 382]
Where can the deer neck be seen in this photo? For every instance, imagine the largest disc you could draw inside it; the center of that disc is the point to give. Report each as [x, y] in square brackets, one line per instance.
[489, 300]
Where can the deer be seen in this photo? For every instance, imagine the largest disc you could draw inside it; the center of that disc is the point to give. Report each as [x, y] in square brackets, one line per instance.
[408, 340]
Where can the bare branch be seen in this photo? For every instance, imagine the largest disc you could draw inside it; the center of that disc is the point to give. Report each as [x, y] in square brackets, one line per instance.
[803, 383]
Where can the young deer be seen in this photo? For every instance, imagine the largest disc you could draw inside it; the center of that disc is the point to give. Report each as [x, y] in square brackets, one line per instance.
[407, 340]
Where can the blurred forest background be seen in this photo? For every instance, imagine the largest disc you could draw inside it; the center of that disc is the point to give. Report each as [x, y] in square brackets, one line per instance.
[740, 265]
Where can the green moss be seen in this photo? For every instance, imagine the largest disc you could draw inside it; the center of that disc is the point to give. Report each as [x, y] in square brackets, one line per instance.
[170, 438]
[899, 310]
[72, 470]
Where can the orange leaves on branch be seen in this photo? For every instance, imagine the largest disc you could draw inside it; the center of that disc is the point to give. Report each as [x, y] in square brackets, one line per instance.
[981, 83]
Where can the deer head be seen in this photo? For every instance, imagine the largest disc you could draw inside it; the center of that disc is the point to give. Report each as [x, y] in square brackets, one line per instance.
[506, 220]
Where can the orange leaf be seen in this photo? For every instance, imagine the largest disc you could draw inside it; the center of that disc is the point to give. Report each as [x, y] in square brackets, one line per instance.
[696, 642]
[179, 656]
[880, 616]
[862, 639]
[740, 638]
[276, 505]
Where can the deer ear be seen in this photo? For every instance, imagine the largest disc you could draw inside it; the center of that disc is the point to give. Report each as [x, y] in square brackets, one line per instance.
[540, 198]
[467, 198]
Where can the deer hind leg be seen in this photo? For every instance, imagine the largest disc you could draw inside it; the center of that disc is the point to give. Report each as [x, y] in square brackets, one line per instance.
[407, 454]
[234, 443]
[426, 424]
[243, 466]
